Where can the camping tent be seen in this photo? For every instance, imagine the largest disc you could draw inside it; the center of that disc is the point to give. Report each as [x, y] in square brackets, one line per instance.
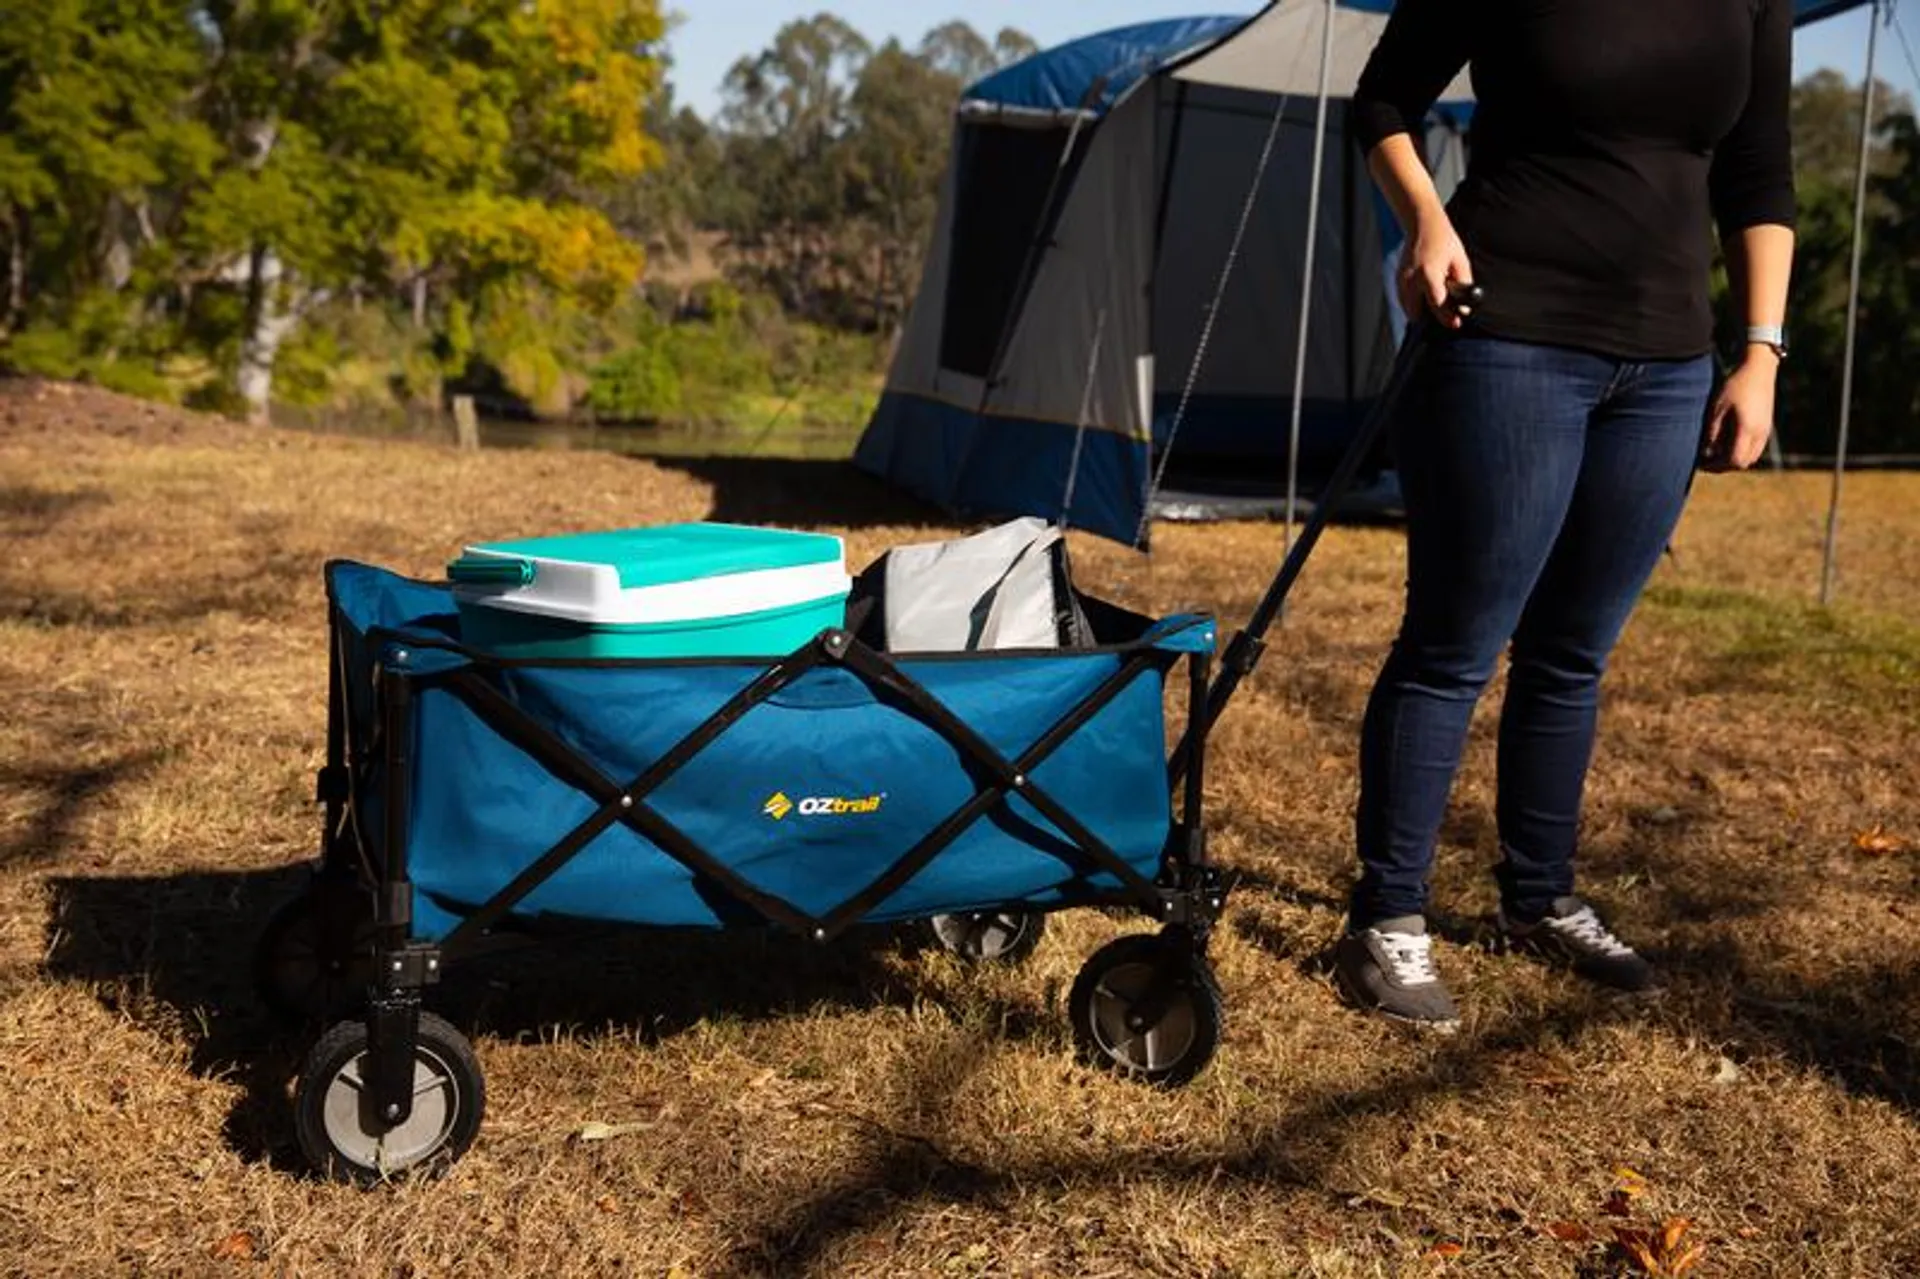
[1157, 258]
[1094, 195]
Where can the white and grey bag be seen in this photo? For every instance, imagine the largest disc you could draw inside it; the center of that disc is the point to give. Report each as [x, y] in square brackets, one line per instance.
[1006, 587]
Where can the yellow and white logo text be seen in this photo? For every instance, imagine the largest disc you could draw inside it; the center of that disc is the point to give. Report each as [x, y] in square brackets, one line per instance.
[779, 807]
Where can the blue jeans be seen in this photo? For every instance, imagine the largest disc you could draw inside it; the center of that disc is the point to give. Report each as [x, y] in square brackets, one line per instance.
[1542, 486]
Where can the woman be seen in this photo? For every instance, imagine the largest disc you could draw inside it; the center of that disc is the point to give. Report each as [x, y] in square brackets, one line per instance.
[1548, 440]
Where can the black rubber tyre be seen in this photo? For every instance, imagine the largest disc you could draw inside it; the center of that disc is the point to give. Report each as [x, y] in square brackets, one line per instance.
[1105, 1001]
[338, 1132]
[301, 973]
[989, 936]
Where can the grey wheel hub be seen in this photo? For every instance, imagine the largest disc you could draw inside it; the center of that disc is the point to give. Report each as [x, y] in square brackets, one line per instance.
[362, 1137]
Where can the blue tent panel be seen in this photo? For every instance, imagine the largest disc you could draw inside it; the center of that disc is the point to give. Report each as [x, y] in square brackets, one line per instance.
[990, 466]
[1061, 78]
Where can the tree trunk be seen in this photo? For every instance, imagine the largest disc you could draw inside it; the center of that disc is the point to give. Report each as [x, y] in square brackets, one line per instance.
[269, 321]
[16, 266]
[420, 301]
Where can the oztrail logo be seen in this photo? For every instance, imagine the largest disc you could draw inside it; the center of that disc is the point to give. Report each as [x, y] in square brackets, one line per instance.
[779, 807]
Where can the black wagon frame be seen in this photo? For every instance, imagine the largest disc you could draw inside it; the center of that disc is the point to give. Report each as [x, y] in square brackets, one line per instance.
[362, 888]
[1186, 896]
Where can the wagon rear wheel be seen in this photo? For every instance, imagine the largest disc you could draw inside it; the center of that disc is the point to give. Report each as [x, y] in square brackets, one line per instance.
[1147, 1006]
[315, 956]
[998, 936]
[343, 1137]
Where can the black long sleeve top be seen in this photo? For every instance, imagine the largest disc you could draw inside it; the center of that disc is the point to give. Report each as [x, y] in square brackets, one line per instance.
[1609, 136]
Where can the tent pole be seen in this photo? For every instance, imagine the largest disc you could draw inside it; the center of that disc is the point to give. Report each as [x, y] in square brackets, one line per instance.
[1853, 311]
[1306, 274]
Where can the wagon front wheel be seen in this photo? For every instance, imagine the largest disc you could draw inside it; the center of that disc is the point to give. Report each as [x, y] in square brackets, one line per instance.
[334, 1116]
[999, 936]
[1147, 1006]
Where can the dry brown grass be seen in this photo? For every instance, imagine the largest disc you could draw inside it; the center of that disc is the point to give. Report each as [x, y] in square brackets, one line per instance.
[870, 1110]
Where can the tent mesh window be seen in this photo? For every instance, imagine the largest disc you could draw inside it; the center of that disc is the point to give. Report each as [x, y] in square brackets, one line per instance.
[1007, 179]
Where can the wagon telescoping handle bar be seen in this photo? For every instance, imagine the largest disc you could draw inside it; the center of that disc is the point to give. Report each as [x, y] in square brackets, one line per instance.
[1244, 649]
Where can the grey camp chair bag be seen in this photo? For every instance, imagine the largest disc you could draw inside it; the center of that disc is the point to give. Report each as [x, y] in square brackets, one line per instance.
[1006, 587]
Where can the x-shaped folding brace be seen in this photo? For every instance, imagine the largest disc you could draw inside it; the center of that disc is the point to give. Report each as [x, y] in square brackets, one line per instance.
[627, 805]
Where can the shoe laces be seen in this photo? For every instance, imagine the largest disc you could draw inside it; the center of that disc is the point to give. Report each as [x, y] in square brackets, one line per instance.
[1410, 955]
[1584, 927]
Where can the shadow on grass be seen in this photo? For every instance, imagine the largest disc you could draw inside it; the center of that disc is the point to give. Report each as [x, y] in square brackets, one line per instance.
[64, 792]
[912, 1159]
[175, 952]
[801, 493]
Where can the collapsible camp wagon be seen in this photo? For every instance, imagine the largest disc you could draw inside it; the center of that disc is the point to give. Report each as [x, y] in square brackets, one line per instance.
[598, 775]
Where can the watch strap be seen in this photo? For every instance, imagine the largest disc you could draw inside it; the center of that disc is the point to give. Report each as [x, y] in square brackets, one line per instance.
[1768, 335]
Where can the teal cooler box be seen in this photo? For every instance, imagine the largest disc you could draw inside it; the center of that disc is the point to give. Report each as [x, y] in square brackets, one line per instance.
[678, 590]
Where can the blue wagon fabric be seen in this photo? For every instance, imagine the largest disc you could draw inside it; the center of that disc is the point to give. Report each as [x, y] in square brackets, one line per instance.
[809, 797]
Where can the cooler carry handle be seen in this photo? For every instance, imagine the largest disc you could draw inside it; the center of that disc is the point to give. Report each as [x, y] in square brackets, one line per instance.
[470, 570]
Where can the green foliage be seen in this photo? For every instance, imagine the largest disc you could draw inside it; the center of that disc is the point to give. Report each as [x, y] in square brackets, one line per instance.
[640, 384]
[45, 350]
[303, 375]
[283, 151]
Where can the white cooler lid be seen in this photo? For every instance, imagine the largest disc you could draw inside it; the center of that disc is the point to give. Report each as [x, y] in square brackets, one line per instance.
[668, 573]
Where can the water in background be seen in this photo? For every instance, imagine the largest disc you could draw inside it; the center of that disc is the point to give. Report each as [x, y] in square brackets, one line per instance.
[777, 438]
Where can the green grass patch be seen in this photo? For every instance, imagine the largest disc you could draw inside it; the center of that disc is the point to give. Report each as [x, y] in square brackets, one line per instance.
[1866, 661]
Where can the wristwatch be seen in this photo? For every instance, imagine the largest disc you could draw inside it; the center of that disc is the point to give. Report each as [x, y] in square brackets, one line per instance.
[1771, 336]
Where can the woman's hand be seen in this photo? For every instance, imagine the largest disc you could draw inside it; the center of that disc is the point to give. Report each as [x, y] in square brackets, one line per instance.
[1432, 261]
[1742, 419]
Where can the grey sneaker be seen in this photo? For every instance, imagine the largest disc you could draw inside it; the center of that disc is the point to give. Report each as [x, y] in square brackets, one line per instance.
[1388, 969]
[1574, 936]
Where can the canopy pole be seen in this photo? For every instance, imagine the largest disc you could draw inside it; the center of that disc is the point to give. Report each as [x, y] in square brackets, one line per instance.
[1828, 565]
[1306, 274]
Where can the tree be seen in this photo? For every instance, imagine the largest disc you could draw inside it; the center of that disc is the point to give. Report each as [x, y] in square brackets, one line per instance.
[955, 49]
[833, 158]
[95, 130]
[903, 107]
[789, 110]
[419, 143]
[288, 149]
[1826, 134]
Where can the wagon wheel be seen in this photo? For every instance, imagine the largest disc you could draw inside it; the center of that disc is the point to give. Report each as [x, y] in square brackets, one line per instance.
[315, 956]
[999, 936]
[1147, 1006]
[333, 1113]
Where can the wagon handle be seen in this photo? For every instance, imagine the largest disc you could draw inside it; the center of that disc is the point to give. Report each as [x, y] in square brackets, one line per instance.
[475, 571]
[1244, 649]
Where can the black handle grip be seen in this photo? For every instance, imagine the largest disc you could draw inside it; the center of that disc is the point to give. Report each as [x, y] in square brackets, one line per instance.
[1463, 295]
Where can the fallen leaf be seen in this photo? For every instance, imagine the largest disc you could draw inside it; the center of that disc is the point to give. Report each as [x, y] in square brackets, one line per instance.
[1618, 1203]
[594, 1130]
[607, 1203]
[1686, 1260]
[1672, 1232]
[237, 1246]
[1638, 1248]
[1446, 1251]
[1728, 1073]
[1631, 1182]
[1569, 1232]
[1879, 842]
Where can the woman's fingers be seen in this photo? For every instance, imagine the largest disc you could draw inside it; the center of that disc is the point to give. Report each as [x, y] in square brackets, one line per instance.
[1715, 453]
[1751, 444]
